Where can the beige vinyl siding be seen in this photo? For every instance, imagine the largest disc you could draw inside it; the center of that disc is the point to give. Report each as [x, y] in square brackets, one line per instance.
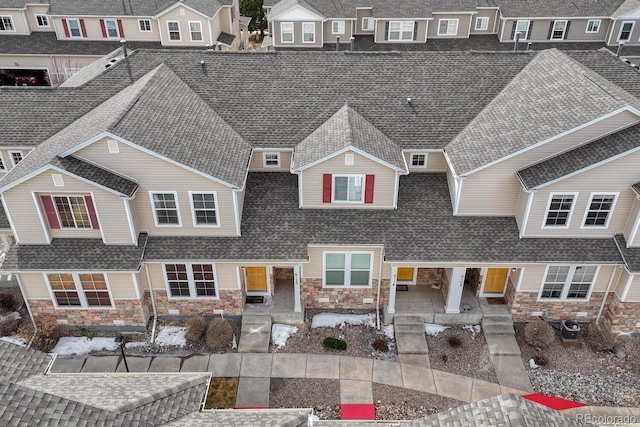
[577, 30]
[621, 282]
[521, 208]
[495, 190]
[631, 222]
[492, 14]
[31, 12]
[6, 157]
[158, 175]
[435, 161]
[185, 37]
[633, 294]
[381, 26]
[122, 285]
[240, 197]
[364, 13]
[463, 25]
[534, 276]
[313, 269]
[612, 177]
[384, 184]
[451, 181]
[20, 25]
[615, 32]
[257, 163]
[297, 34]
[345, 37]
[94, 30]
[35, 286]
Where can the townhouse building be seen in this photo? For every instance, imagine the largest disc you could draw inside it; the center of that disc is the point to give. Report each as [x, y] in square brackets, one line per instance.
[363, 178]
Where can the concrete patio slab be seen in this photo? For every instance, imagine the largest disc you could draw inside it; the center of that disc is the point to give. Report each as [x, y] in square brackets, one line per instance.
[225, 365]
[502, 345]
[452, 385]
[195, 363]
[253, 392]
[67, 365]
[323, 366]
[100, 364]
[165, 364]
[411, 343]
[578, 410]
[355, 392]
[256, 365]
[483, 390]
[415, 359]
[136, 364]
[517, 392]
[418, 378]
[289, 365]
[356, 368]
[511, 373]
[388, 373]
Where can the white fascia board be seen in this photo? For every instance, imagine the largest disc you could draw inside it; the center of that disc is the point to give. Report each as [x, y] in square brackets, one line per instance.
[343, 150]
[179, 4]
[311, 16]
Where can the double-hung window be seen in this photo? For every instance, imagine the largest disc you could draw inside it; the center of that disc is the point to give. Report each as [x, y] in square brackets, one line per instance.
[448, 27]
[345, 269]
[191, 280]
[367, 24]
[559, 210]
[568, 282]
[522, 27]
[271, 160]
[195, 30]
[174, 31]
[308, 32]
[16, 157]
[81, 290]
[558, 30]
[286, 32]
[165, 208]
[42, 20]
[599, 210]
[111, 27]
[401, 30]
[348, 188]
[204, 208]
[337, 27]
[593, 26]
[145, 25]
[6, 23]
[625, 31]
[74, 28]
[482, 23]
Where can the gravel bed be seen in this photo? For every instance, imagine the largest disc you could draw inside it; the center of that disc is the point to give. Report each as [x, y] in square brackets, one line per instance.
[320, 394]
[396, 403]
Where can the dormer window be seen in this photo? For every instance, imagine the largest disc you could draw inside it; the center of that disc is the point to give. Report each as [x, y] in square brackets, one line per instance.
[271, 160]
[70, 212]
[348, 188]
[559, 210]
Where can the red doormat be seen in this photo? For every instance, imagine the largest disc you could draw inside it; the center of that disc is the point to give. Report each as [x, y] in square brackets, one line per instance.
[553, 402]
[357, 411]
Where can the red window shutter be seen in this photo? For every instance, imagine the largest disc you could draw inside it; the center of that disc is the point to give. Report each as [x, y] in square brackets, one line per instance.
[66, 28]
[50, 211]
[326, 187]
[92, 212]
[82, 28]
[120, 28]
[103, 28]
[368, 188]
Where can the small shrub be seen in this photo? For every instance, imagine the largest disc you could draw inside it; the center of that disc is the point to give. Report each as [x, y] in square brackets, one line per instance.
[196, 328]
[598, 338]
[8, 326]
[219, 335]
[48, 333]
[454, 342]
[8, 302]
[539, 334]
[541, 360]
[335, 343]
[444, 357]
[380, 345]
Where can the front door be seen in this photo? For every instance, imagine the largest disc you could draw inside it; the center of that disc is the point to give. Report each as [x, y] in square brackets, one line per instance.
[496, 280]
[256, 280]
[405, 274]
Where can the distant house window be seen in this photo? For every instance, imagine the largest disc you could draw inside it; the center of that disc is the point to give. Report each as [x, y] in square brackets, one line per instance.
[559, 30]
[271, 160]
[348, 188]
[174, 31]
[145, 25]
[593, 26]
[564, 282]
[72, 211]
[482, 23]
[337, 27]
[204, 208]
[286, 30]
[522, 27]
[418, 160]
[6, 23]
[559, 210]
[367, 24]
[42, 20]
[599, 210]
[111, 26]
[448, 27]
[87, 290]
[165, 209]
[308, 32]
[74, 28]
[190, 280]
[195, 29]
[345, 269]
[3, 168]
[625, 31]
[16, 157]
[401, 30]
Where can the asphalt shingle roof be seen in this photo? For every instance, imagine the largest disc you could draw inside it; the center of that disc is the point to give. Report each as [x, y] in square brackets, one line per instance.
[111, 8]
[96, 174]
[226, 38]
[579, 158]
[207, 7]
[244, 418]
[557, 8]
[4, 220]
[631, 256]
[636, 187]
[18, 363]
[626, 7]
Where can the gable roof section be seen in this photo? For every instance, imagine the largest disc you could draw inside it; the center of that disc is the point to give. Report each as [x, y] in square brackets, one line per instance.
[207, 7]
[96, 174]
[552, 95]
[627, 6]
[18, 363]
[285, 5]
[557, 8]
[107, 9]
[345, 129]
[419, 8]
[572, 161]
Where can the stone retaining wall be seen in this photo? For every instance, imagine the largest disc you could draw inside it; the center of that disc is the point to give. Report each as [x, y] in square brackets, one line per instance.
[126, 313]
[342, 298]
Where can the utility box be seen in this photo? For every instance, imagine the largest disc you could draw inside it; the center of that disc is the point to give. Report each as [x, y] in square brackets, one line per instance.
[570, 331]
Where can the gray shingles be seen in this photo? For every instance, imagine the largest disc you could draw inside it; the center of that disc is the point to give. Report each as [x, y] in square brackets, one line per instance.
[18, 363]
[107, 8]
[226, 38]
[626, 7]
[244, 418]
[557, 8]
[631, 256]
[4, 220]
[96, 174]
[206, 7]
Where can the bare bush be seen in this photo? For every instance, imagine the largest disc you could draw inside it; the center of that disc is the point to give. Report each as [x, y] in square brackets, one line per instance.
[196, 328]
[48, 333]
[598, 338]
[539, 334]
[219, 335]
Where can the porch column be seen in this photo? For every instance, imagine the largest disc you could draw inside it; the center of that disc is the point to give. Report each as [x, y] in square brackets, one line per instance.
[297, 306]
[391, 307]
[454, 295]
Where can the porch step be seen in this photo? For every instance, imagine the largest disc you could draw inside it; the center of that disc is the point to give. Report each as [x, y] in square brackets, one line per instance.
[255, 334]
[410, 335]
[498, 328]
[502, 345]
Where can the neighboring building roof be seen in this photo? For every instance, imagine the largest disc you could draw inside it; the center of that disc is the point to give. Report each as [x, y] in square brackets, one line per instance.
[207, 7]
[96, 174]
[626, 7]
[13, 4]
[631, 256]
[636, 187]
[422, 229]
[546, 91]
[18, 363]
[337, 6]
[102, 8]
[347, 128]
[244, 418]
[580, 158]
[557, 8]
[75, 254]
[97, 67]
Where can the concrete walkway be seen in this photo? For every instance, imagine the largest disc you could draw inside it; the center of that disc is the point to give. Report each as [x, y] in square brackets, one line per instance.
[255, 334]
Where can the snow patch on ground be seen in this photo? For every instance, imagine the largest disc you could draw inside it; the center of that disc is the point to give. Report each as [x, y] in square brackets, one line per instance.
[68, 346]
[15, 315]
[280, 334]
[172, 335]
[331, 320]
[17, 340]
[389, 331]
[474, 329]
[434, 329]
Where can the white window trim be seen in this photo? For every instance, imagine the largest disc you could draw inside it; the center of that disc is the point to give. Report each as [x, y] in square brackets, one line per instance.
[594, 21]
[633, 25]
[426, 158]
[524, 36]
[13, 24]
[400, 32]
[333, 28]
[282, 32]
[564, 30]
[586, 211]
[11, 156]
[107, 28]
[83, 299]
[567, 284]
[193, 209]
[169, 32]
[347, 270]
[546, 211]
[75, 222]
[449, 21]
[370, 24]
[153, 208]
[484, 23]
[71, 36]
[313, 25]
[201, 32]
[43, 16]
[270, 153]
[333, 188]
[192, 284]
[3, 165]
[150, 30]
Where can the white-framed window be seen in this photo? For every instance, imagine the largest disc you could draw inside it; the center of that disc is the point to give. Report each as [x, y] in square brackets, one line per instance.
[173, 27]
[79, 290]
[286, 32]
[111, 26]
[482, 23]
[593, 26]
[337, 27]
[559, 29]
[72, 211]
[568, 282]
[3, 168]
[271, 159]
[308, 32]
[559, 210]
[74, 28]
[348, 188]
[522, 27]
[347, 269]
[195, 30]
[144, 25]
[6, 23]
[42, 20]
[16, 157]
[367, 24]
[447, 27]
[400, 30]
[419, 160]
[599, 210]
[625, 31]
[204, 208]
[188, 280]
[166, 210]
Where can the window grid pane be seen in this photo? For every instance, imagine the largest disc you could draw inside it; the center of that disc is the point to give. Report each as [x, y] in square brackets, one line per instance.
[178, 280]
[72, 212]
[166, 208]
[204, 206]
[599, 210]
[204, 280]
[559, 210]
[64, 290]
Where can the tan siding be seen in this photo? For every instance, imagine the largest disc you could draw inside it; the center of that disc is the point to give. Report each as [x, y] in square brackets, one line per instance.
[521, 208]
[382, 24]
[35, 286]
[631, 222]
[156, 273]
[144, 169]
[384, 184]
[633, 294]
[621, 282]
[533, 277]
[492, 14]
[122, 286]
[19, 25]
[313, 269]
[435, 162]
[451, 181]
[129, 26]
[577, 30]
[185, 36]
[53, 64]
[257, 163]
[635, 33]
[240, 197]
[297, 34]
[6, 158]
[32, 11]
[345, 37]
[363, 13]
[227, 275]
[604, 274]
[463, 25]
[496, 189]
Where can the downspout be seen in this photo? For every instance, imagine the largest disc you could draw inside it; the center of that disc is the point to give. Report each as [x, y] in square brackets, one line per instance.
[606, 294]
[378, 293]
[33, 320]
[153, 304]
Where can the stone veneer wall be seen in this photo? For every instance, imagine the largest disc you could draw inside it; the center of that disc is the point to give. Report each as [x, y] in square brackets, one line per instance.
[473, 278]
[231, 301]
[312, 291]
[131, 312]
[283, 273]
[622, 317]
